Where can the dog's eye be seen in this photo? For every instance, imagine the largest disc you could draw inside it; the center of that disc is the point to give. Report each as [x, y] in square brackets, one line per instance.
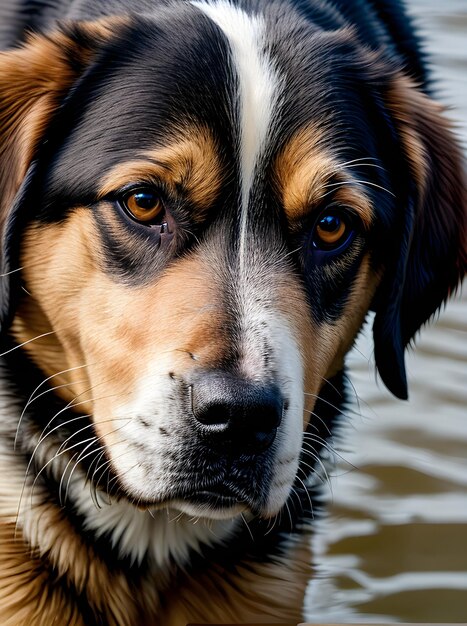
[332, 230]
[144, 205]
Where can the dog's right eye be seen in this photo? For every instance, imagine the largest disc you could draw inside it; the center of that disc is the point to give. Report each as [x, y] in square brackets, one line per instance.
[144, 205]
[333, 231]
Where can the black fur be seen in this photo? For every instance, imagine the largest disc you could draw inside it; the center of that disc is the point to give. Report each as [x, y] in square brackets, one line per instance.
[339, 78]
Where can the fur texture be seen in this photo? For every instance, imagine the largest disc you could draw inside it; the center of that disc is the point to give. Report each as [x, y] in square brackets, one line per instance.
[200, 203]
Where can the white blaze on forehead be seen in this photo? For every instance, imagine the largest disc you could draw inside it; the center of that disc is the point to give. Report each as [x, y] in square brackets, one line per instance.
[258, 87]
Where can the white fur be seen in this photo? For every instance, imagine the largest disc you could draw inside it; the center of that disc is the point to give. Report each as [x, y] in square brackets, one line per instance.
[259, 89]
[159, 536]
[259, 93]
[256, 294]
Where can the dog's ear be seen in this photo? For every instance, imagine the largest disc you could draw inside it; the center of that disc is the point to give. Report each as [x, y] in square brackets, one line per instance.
[431, 254]
[34, 81]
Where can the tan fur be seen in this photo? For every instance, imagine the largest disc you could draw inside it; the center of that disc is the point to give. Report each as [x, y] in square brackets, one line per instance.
[31, 593]
[190, 163]
[325, 345]
[26, 595]
[304, 170]
[255, 593]
[404, 99]
[30, 92]
[33, 79]
[112, 337]
[344, 330]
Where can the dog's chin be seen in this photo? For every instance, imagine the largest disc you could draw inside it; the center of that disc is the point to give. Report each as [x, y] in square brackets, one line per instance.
[215, 505]
[210, 509]
[222, 506]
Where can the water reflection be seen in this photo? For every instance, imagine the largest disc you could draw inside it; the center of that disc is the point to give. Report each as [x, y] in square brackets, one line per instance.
[394, 544]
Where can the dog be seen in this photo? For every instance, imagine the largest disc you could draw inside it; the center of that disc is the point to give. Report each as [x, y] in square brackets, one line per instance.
[200, 202]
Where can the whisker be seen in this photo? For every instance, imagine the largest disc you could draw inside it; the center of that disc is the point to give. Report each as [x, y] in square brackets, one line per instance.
[119, 475]
[360, 401]
[93, 486]
[43, 436]
[62, 449]
[32, 399]
[292, 252]
[362, 164]
[367, 158]
[79, 443]
[176, 518]
[359, 182]
[18, 269]
[320, 440]
[312, 452]
[328, 403]
[20, 345]
[82, 456]
[248, 528]
[330, 449]
[308, 494]
[270, 528]
[79, 457]
[289, 514]
[28, 467]
[72, 404]
[318, 417]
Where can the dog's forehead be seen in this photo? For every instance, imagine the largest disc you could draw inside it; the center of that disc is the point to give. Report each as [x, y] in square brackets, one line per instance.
[250, 78]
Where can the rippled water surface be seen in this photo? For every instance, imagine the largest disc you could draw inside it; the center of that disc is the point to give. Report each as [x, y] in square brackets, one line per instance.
[394, 544]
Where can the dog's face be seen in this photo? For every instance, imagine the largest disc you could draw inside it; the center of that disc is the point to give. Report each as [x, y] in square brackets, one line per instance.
[216, 201]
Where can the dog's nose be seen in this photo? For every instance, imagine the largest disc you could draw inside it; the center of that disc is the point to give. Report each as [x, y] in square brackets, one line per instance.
[235, 412]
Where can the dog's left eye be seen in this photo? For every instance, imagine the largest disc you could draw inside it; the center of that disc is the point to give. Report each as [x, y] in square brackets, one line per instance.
[144, 205]
[333, 230]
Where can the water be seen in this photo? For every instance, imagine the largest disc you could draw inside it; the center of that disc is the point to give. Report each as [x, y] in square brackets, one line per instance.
[394, 544]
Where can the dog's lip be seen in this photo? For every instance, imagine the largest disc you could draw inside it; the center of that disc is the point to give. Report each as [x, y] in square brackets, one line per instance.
[213, 497]
[218, 499]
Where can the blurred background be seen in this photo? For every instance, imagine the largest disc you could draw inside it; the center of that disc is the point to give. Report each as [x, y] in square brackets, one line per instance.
[393, 546]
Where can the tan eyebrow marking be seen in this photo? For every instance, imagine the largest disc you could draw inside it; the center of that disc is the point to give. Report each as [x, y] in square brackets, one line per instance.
[306, 171]
[191, 162]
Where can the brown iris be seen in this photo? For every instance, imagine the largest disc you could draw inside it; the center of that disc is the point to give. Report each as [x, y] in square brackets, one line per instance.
[144, 205]
[331, 229]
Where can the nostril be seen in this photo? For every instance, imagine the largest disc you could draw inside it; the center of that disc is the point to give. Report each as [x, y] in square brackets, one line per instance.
[212, 414]
[259, 441]
[206, 408]
[269, 414]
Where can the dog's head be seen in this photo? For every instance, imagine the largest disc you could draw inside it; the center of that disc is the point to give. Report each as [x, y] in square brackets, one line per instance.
[204, 205]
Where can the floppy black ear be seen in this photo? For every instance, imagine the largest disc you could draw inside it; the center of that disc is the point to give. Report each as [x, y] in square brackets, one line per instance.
[432, 253]
[34, 81]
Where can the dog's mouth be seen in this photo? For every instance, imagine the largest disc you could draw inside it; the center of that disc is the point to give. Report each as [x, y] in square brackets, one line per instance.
[215, 499]
[215, 503]
[239, 490]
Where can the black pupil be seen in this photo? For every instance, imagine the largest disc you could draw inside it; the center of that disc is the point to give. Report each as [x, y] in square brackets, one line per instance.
[145, 199]
[330, 223]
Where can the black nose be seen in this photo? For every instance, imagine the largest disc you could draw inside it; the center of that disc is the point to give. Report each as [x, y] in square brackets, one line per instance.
[236, 412]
